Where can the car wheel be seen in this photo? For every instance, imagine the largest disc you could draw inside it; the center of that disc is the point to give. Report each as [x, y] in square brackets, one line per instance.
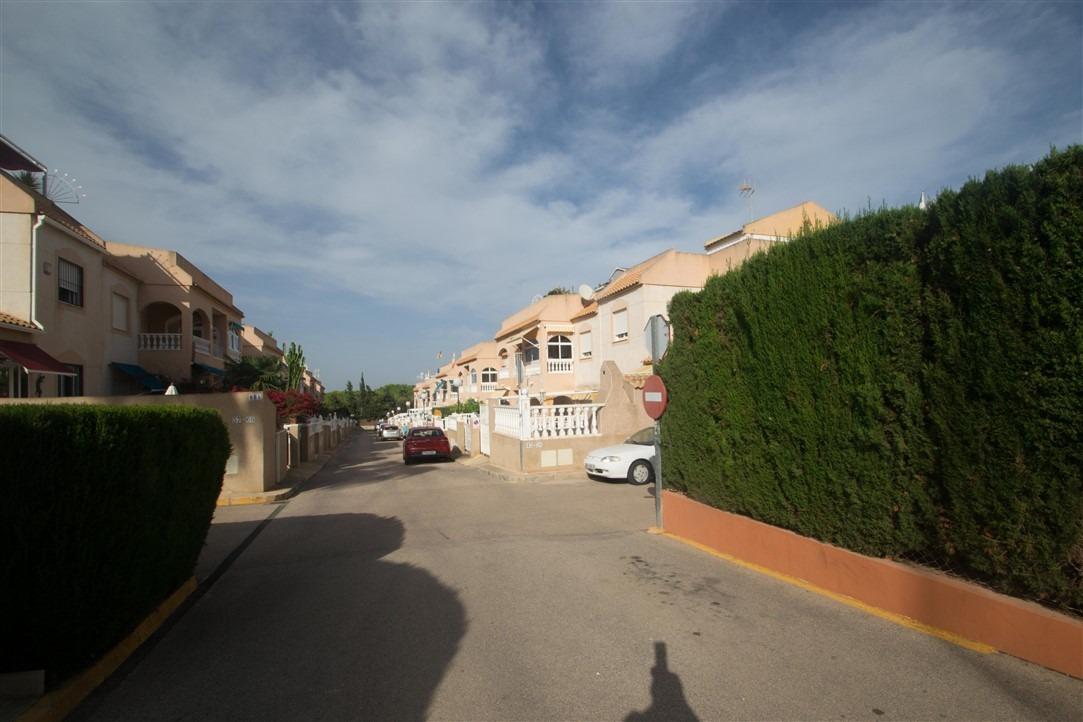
[640, 473]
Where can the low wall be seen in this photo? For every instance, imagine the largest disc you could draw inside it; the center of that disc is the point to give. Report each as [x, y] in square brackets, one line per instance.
[1022, 629]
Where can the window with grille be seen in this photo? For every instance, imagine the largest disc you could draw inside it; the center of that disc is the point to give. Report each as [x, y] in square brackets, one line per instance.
[71, 385]
[488, 376]
[584, 344]
[120, 312]
[70, 280]
[620, 325]
[560, 347]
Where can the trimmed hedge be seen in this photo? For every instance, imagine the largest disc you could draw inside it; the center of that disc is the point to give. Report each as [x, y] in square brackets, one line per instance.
[903, 384]
[105, 511]
[470, 406]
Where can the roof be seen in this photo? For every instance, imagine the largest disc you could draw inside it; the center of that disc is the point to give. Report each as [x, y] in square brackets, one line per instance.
[56, 214]
[12, 157]
[783, 224]
[7, 318]
[632, 277]
[590, 310]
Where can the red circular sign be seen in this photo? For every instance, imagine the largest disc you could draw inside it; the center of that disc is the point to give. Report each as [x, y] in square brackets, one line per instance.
[655, 397]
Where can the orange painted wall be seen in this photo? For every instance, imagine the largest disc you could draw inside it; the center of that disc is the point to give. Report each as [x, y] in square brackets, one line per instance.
[1022, 629]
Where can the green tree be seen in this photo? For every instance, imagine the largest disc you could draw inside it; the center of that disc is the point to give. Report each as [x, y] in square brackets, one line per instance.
[295, 367]
[259, 373]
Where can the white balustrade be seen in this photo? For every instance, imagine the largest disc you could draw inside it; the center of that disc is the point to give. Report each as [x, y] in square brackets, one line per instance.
[488, 386]
[564, 420]
[159, 342]
[201, 345]
[560, 366]
[548, 422]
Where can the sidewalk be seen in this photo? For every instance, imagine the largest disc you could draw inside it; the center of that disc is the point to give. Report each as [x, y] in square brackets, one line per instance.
[481, 463]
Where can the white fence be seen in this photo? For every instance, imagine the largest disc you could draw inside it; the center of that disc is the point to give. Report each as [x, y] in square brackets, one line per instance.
[548, 422]
[159, 342]
[560, 366]
[486, 445]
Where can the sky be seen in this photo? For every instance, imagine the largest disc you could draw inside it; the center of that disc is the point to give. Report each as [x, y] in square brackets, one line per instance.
[381, 182]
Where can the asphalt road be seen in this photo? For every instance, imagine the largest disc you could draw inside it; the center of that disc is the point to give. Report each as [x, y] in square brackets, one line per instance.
[438, 592]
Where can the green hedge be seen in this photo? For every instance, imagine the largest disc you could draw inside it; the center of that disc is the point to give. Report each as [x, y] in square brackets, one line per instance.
[905, 384]
[105, 511]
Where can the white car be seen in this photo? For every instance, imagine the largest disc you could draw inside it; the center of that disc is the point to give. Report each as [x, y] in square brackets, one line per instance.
[631, 460]
[390, 431]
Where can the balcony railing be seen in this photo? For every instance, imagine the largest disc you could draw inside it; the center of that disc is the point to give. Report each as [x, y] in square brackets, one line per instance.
[488, 386]
[201, 345]
[560, 366]
[532, 369]
[159, 342]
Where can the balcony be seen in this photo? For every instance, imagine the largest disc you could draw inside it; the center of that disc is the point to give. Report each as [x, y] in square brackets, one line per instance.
[488, 386]
[503, 373]
[560, 366]
[532, 369]
[159, 342]
[201, 345]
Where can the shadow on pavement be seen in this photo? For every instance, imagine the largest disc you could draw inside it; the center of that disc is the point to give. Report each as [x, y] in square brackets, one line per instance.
[667, 694]
[311, 622]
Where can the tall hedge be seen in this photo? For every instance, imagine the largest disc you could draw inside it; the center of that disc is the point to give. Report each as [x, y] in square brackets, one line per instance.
[104, 513]
[1004, 298]
[905, 384]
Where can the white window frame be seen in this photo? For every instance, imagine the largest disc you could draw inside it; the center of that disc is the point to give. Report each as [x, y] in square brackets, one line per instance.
[488, 375]
[584, 345]
[563, 345]
[620, 319]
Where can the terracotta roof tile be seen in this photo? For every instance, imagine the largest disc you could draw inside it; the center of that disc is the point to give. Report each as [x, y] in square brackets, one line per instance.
[589, 310]
[13, 321]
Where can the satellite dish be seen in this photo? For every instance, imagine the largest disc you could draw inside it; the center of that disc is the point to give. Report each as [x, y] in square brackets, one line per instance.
[586, 292]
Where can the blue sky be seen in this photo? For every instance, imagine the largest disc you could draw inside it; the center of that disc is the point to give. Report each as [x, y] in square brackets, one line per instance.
[380, 182]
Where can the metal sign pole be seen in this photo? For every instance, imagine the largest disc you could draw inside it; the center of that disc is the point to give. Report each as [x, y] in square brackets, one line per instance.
[655, 354]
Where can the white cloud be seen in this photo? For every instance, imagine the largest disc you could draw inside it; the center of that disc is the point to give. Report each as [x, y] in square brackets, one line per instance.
[427, 142]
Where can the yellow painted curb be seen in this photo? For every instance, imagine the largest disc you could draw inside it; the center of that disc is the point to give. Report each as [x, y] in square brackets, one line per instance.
[850, 601]
[58, 704]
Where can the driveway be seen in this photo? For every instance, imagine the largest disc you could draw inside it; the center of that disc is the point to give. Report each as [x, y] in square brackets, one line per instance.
[436, 591]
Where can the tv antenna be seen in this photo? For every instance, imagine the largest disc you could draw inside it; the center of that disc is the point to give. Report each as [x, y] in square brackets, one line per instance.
[59, 187]
[747, 190]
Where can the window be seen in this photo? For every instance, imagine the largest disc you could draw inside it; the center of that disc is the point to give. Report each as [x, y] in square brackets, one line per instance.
[488, 376]
[70, 385]
[234, 341]
[560, 347]
[120, 312]
[584, 344]
[473, 377]
[620, 325]
[14, 383]
[530, 354]
[70, 280]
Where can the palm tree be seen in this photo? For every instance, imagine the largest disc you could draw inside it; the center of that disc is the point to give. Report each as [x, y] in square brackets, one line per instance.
[258, 373]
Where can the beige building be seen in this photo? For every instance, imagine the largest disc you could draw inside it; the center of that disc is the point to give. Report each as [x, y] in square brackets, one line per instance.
[67, 312]
[259, 344]
[188, 325]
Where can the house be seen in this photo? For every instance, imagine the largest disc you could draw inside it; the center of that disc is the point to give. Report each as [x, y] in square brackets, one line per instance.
[729, 251]
[259, 344]
[67, 311]
[188, 324]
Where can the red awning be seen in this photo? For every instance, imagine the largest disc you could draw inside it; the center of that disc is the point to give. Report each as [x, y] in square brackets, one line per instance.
[33, 359]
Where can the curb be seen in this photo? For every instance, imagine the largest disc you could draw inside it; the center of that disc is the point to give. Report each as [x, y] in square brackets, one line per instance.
[59, 703]
[507, 475]
[301, 477]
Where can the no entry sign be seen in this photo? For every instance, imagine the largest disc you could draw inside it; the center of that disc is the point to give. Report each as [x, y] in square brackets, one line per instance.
[655, 397]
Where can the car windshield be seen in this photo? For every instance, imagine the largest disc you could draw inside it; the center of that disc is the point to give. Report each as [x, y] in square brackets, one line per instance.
[391, 428]
[643, 437]
[426, 433]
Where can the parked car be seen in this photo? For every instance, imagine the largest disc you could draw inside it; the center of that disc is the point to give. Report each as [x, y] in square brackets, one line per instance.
[425, 442]
[390, 431]
[631, 460]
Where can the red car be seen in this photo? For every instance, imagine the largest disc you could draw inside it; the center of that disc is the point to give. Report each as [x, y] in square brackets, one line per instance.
[425, 442]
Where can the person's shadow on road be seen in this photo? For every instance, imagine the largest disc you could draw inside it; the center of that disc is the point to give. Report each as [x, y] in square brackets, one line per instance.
[667, 694]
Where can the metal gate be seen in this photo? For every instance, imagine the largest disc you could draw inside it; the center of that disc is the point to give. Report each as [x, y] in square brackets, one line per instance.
[484, 414]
